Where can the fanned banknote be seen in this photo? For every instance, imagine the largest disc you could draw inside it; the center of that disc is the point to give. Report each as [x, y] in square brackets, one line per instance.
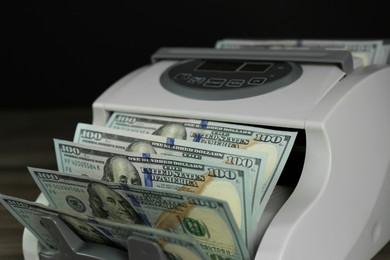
[208, 220]
[99, 231]
[222, 181]
[80, 195]
[146, 143]
[203, 218]
[29, 214]
[275, 143]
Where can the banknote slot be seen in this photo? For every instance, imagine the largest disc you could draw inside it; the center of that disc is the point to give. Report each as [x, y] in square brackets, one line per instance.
[279, 196]
[286, 181]
[292, 170]
[294, 165]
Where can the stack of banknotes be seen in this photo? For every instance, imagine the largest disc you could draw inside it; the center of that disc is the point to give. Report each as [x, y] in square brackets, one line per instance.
[196, 188]
[364, 52]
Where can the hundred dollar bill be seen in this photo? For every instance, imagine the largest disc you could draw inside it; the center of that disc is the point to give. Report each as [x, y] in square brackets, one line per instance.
[275, 143]
[223, 181]
[80, 195]
[153, 144]
[208, 220]
[99, 231]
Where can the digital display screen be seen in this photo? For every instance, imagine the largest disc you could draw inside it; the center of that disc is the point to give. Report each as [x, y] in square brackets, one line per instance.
[234, 66]
[219, 66]
[255, 67]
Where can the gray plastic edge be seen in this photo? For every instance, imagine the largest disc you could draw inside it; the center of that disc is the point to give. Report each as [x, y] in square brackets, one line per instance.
[340, 57]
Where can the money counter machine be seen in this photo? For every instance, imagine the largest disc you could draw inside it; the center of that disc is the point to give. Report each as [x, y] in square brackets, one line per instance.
[339, 168]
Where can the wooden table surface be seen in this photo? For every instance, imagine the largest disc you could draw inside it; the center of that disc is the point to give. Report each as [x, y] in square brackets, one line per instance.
[26, 139]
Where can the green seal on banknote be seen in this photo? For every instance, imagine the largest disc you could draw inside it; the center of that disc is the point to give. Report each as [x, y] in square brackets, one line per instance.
[194, 227]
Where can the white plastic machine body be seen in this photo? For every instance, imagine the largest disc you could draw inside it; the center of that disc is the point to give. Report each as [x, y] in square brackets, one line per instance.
[340, 205]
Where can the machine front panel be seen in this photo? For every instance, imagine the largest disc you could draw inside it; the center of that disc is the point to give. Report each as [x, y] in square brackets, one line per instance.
[286, 107]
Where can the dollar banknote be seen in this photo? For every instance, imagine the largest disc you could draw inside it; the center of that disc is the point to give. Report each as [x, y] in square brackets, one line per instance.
[276, 144]
[98, 231]
[30, 214]
[208, 220]
[145, 143]
[82, 195]
[222, 181]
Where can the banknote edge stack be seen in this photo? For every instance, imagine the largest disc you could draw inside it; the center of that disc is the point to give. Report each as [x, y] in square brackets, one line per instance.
[364, 52]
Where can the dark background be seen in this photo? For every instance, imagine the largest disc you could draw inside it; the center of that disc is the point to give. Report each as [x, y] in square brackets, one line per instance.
[66, 53]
